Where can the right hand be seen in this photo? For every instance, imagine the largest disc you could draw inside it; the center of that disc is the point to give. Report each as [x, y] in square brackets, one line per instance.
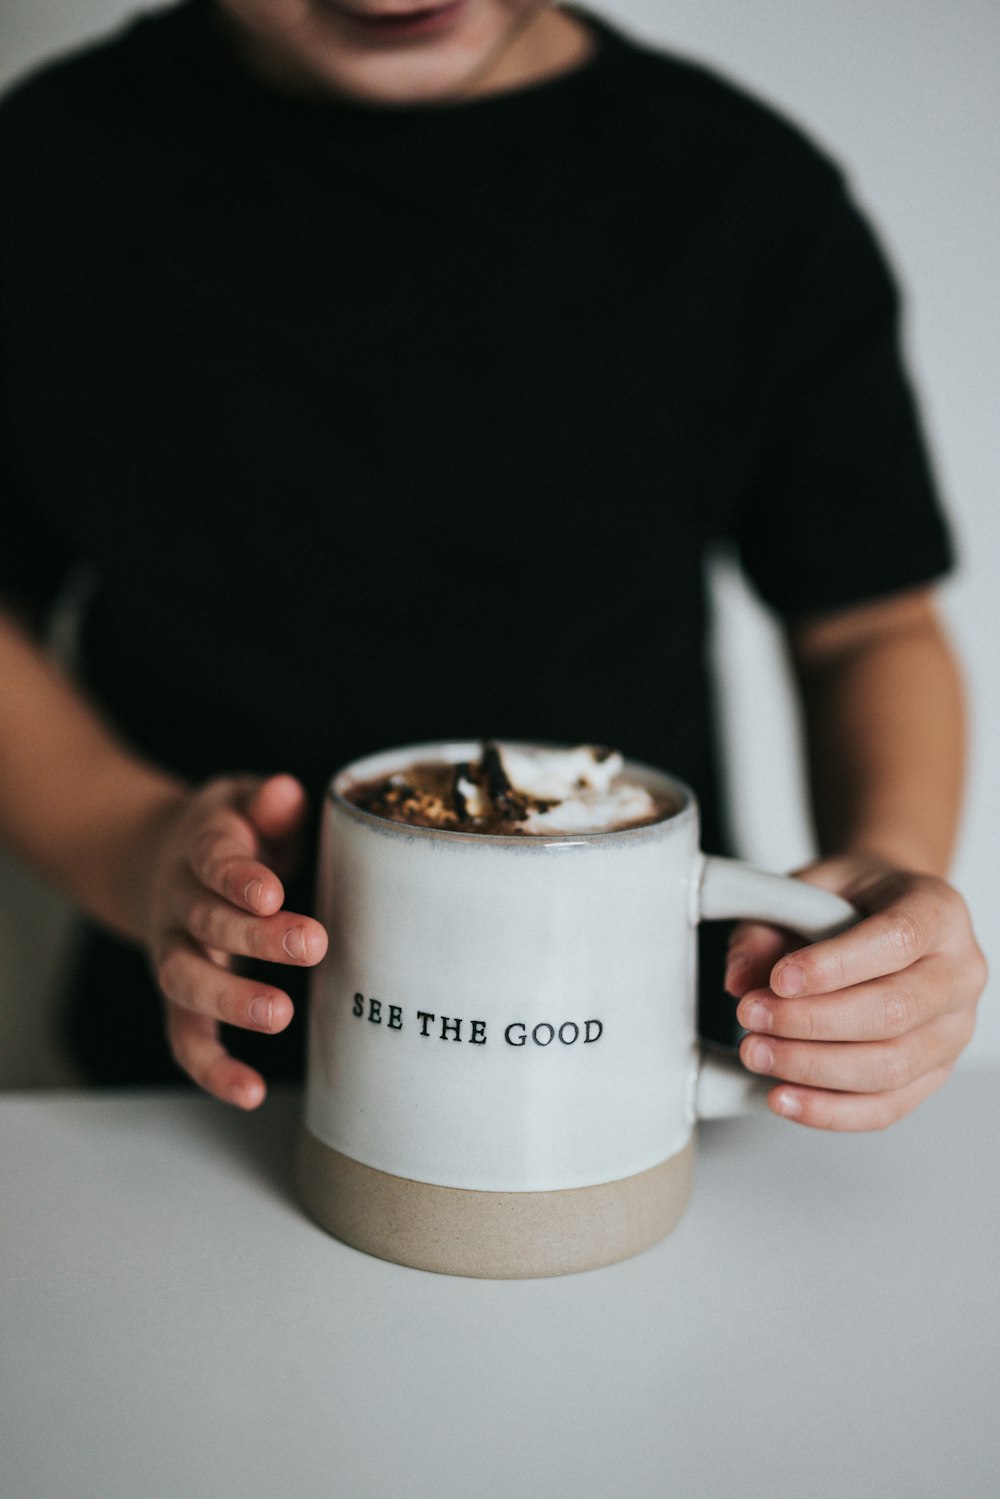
[213, 894]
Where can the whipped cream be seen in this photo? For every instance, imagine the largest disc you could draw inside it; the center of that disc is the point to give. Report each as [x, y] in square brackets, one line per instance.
[574, 790]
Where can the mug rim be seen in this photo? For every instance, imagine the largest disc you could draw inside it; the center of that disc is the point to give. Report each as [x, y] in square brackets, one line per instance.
[450, 751]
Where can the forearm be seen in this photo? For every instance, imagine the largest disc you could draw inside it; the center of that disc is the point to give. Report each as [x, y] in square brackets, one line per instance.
[75, 802]
[885, 726]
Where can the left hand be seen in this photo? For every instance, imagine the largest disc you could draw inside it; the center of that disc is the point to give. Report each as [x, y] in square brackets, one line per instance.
[860, 1028]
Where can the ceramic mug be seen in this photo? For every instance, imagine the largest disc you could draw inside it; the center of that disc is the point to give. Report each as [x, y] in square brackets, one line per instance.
[503, 1074]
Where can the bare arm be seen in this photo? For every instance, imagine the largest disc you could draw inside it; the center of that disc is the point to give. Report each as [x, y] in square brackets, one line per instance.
[885, 722]
[866, 1025]
[189, 874]
[74, 802]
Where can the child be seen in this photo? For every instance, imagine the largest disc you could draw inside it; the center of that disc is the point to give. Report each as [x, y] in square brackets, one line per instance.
[389, 368]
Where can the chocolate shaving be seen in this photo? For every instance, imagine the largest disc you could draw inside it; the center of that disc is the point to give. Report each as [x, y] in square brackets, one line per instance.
[505, 799]
[491, 765]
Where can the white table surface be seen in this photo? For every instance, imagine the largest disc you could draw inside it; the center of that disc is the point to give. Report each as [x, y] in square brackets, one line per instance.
[824, 1322]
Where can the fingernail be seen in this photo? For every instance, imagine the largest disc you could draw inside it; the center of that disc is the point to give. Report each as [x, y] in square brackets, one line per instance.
[294, 943]
[251, 894]
[788, 1104]
[758, 1017]
[260, 1012]
[759, 1056]
[790, 980]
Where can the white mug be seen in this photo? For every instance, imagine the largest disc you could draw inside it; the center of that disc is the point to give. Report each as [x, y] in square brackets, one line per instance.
[503, 1074]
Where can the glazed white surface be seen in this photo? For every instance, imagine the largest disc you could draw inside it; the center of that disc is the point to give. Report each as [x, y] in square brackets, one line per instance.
[519, 935]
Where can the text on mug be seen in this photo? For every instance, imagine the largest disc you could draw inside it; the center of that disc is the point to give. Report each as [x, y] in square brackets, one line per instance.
[457, 1028]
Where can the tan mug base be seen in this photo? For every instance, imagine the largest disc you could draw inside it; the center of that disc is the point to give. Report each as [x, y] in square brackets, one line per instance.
[492, 1235]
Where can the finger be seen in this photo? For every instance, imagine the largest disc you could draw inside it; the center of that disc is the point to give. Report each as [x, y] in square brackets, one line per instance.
[853, 1111]
[885, 943]
[194, 1042]
[277, 807]
[225, 860]
[860, 1067]
[188, 979]
[283, 938]
[876, 1011]
[753, 951]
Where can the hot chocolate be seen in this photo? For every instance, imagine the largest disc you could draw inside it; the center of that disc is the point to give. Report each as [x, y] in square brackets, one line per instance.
[516, 790]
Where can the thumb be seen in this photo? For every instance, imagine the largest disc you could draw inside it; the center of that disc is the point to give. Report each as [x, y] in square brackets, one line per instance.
[277, 807]
[754, 948]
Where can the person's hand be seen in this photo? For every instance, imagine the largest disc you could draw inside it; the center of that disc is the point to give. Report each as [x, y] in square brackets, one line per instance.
[861, 1027]
[212, 895]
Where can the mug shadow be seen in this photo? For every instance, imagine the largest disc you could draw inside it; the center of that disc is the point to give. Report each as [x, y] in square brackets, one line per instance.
[259, 1146]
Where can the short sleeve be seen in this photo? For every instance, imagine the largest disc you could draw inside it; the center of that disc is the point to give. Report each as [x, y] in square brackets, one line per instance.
[844, 506]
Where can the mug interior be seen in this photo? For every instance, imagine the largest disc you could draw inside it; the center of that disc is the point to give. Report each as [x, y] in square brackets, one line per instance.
[681, 799]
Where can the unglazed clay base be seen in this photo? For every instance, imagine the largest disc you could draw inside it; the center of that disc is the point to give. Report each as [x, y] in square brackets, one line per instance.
[493, 1235]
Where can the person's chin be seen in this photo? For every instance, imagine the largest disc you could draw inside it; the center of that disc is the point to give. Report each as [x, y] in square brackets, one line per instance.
[394, 52]
[390, 83]
[432, 70]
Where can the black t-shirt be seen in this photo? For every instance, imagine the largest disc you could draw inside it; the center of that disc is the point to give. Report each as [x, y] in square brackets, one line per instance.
[382, 424]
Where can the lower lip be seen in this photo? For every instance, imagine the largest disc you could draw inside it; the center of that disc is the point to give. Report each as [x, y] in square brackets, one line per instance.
[416, 23]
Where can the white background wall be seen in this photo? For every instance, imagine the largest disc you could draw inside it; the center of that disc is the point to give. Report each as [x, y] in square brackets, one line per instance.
[904, 93]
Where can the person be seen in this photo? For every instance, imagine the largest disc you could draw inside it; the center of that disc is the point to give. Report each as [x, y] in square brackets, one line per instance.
[387, 371]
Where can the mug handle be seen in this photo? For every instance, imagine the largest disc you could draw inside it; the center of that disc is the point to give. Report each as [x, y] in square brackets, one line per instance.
[728, 890]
